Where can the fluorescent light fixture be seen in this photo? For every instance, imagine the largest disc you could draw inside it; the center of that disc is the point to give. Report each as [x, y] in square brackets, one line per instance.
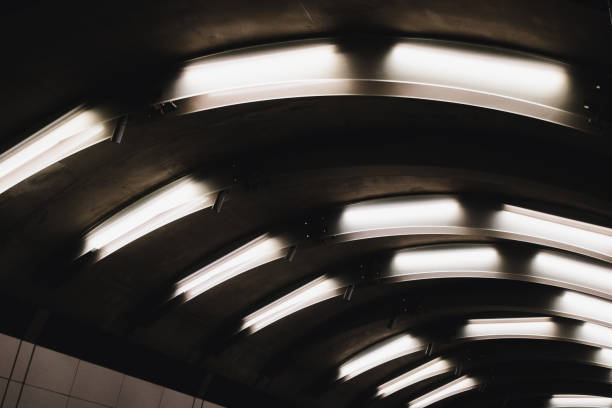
[455, 387]
[317, 291]
[577, 401]
[478, 69]
[537, 328]
[579, 273]
[171, 202]
[400, 215]
[77, 130]
[257, 252]
[541, 227]
[380, 353]
[263, 67]
[443, 214]
[430, 369]
[603, 357]
[583, 307]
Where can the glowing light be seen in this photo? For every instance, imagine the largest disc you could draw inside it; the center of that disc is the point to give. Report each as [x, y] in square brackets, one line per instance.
[446, 258]
[537, 328]
[479, 70]
[73, 132]
[430, 369]
[259, 67]
[318, 290]
[577, 401]
[455, 387]
[586, 307]
[380, 353]
[171, 202]
[259, 251]
[577, 272]
[545, 227]
[395, 215]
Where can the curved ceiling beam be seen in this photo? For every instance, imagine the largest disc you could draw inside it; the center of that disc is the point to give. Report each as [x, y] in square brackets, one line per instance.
[447, 363]
[542, 328]
[482, 76]
[423, 214]
[490, 261]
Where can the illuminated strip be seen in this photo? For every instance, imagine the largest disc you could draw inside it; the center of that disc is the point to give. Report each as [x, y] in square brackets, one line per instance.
[543, 328]
[430, 369]
[380, 353]
[413, 68]
[455, 387]
[445, 214]
[317, 291]
[473, 261]
[257, 252]
[75, 131]
[578, 401]
[165, 205]
[482, 76]
[437, 366]
[494, 261]
[537, 328]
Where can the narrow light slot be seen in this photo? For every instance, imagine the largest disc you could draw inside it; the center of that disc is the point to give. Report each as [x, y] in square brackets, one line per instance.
[577, 401]
[318, 290]
[460, 385]
[77, 130]
[171, 202]
[430, 369]
[380, 353]
[257, 252]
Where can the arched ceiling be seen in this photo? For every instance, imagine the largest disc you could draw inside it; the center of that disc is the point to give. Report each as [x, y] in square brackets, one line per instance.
[288, 170]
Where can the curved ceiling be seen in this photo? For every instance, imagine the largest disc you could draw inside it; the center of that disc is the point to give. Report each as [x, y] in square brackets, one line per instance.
[244, 201]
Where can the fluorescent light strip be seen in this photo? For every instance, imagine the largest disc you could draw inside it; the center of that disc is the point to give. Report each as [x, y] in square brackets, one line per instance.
[537, 328]
[577, 401]
[491, 261]
[443, 214]
[458, 386]
[380, 353]
[430, 369]
[316, 291]
[256, 253]
[414, 68]
[75, 131]
[169, 203]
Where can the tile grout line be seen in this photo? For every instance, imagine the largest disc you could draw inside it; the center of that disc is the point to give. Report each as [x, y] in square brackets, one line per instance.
[161, 397]
[69, 396]
[73, 381]
[25, 376]
[8, 382]
[120, 389]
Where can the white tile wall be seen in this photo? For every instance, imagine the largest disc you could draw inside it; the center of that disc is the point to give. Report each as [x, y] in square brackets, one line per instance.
[52, 370]
[33, 397]
[97, 384]
[22, 362]
[174, 399]
[56, 380]
[136, 393]
[8, 350]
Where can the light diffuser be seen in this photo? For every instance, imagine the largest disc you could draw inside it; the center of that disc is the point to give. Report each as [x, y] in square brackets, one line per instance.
[460, 385]
[430, 369]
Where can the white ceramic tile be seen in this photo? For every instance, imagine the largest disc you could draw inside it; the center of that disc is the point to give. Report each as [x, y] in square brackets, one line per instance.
[175, 399]
[33, 397]
[12, 394]
[8, 351]
[51, 370]
[97, 384]
[23, 359]
[3, 384]
[78, 403]
[136, 393]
